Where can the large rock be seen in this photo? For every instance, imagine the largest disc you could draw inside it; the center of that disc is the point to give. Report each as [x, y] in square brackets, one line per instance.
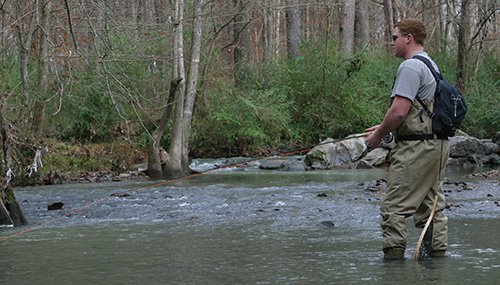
[465, 146]
[331, 154]
[283, 164]
[377, 157]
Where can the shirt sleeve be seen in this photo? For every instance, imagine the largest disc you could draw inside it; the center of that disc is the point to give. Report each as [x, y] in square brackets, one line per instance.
[407, 82]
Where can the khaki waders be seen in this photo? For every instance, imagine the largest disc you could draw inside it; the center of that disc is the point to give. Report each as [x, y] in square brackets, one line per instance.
[415, 178]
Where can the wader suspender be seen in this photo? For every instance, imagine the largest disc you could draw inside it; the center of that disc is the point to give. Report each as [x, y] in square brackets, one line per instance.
[437, 77]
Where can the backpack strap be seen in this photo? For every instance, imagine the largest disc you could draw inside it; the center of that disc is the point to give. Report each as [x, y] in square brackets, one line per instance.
[437, 76]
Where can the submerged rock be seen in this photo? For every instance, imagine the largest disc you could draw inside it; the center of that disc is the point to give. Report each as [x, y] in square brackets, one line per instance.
[328, 224]
[55, 206]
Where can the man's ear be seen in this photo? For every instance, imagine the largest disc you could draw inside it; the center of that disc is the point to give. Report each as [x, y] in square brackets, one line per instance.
[409, 38]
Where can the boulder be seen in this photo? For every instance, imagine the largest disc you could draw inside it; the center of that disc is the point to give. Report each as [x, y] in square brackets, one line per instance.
[464, 146]
[283, 164]
[377, 157]
[331, 154]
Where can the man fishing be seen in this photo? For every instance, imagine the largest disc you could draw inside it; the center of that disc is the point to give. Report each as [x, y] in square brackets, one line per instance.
[419, 158]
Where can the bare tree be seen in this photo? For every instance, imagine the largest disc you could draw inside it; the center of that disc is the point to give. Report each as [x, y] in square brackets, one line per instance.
[293, 29]
[347, 26]
[362, 25]
[240, 39]
[177, 158]
[26, 25]
[44, 8]
[269, 38]
[464, 38]
[389, 23]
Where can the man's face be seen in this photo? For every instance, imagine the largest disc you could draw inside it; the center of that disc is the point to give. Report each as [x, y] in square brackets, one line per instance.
[399, 43]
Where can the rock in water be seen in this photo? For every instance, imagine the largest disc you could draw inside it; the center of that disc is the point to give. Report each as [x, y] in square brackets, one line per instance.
[328, 224]
[55, 206]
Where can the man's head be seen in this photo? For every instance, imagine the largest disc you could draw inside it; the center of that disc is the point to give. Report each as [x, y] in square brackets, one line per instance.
[414, 27]
[408, 36]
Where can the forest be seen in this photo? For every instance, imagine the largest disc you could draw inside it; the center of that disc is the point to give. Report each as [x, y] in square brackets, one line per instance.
[213, 78]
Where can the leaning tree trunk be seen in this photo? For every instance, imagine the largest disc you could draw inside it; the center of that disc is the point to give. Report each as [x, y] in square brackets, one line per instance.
[10, 212]
[155, 159]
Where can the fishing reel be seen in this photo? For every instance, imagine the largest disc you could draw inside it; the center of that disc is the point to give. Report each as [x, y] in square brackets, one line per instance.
[387, 141]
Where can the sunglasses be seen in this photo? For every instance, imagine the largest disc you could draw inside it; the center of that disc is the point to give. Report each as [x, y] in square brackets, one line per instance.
[395, 37]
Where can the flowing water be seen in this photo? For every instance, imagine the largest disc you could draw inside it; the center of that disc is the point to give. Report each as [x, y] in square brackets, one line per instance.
[241, 227]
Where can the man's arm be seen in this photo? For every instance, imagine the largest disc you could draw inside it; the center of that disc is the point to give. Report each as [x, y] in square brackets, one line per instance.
[393, 118]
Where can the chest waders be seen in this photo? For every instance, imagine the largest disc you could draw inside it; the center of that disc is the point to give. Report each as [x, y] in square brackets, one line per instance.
[415, 177]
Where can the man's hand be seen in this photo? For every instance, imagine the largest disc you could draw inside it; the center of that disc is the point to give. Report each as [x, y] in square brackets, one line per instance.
[373, 138]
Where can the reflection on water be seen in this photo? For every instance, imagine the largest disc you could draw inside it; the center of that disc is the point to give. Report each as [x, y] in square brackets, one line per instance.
[234, 228]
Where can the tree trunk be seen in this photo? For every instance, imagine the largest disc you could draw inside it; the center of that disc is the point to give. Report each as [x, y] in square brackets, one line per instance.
[389, 23]
[362, 25]
[464, 37]
[178, 164]
[268, 35]
[43, 69]
[10, 212]
[449, 25]
[154, 149]
[192, 88]
[25, 39]
[293, 30]
[277, 28]
[174, 167]
[240, 40]
[347, 27]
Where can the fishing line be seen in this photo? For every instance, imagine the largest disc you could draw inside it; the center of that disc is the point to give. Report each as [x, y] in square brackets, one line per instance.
[161, 183]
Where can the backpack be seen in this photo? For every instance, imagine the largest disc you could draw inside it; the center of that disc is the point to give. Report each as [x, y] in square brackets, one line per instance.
[449, 105]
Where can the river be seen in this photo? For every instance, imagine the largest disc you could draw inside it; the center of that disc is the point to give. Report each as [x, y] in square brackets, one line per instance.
[242, 227]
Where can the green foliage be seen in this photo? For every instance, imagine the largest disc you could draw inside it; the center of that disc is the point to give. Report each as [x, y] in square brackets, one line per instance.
[241, 122]
[58, 163]
[481, 94]
[89, 115]
[334, 95]
[483, 100]
[281, 106]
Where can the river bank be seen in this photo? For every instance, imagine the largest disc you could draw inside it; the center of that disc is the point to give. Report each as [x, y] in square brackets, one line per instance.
[63, 163]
